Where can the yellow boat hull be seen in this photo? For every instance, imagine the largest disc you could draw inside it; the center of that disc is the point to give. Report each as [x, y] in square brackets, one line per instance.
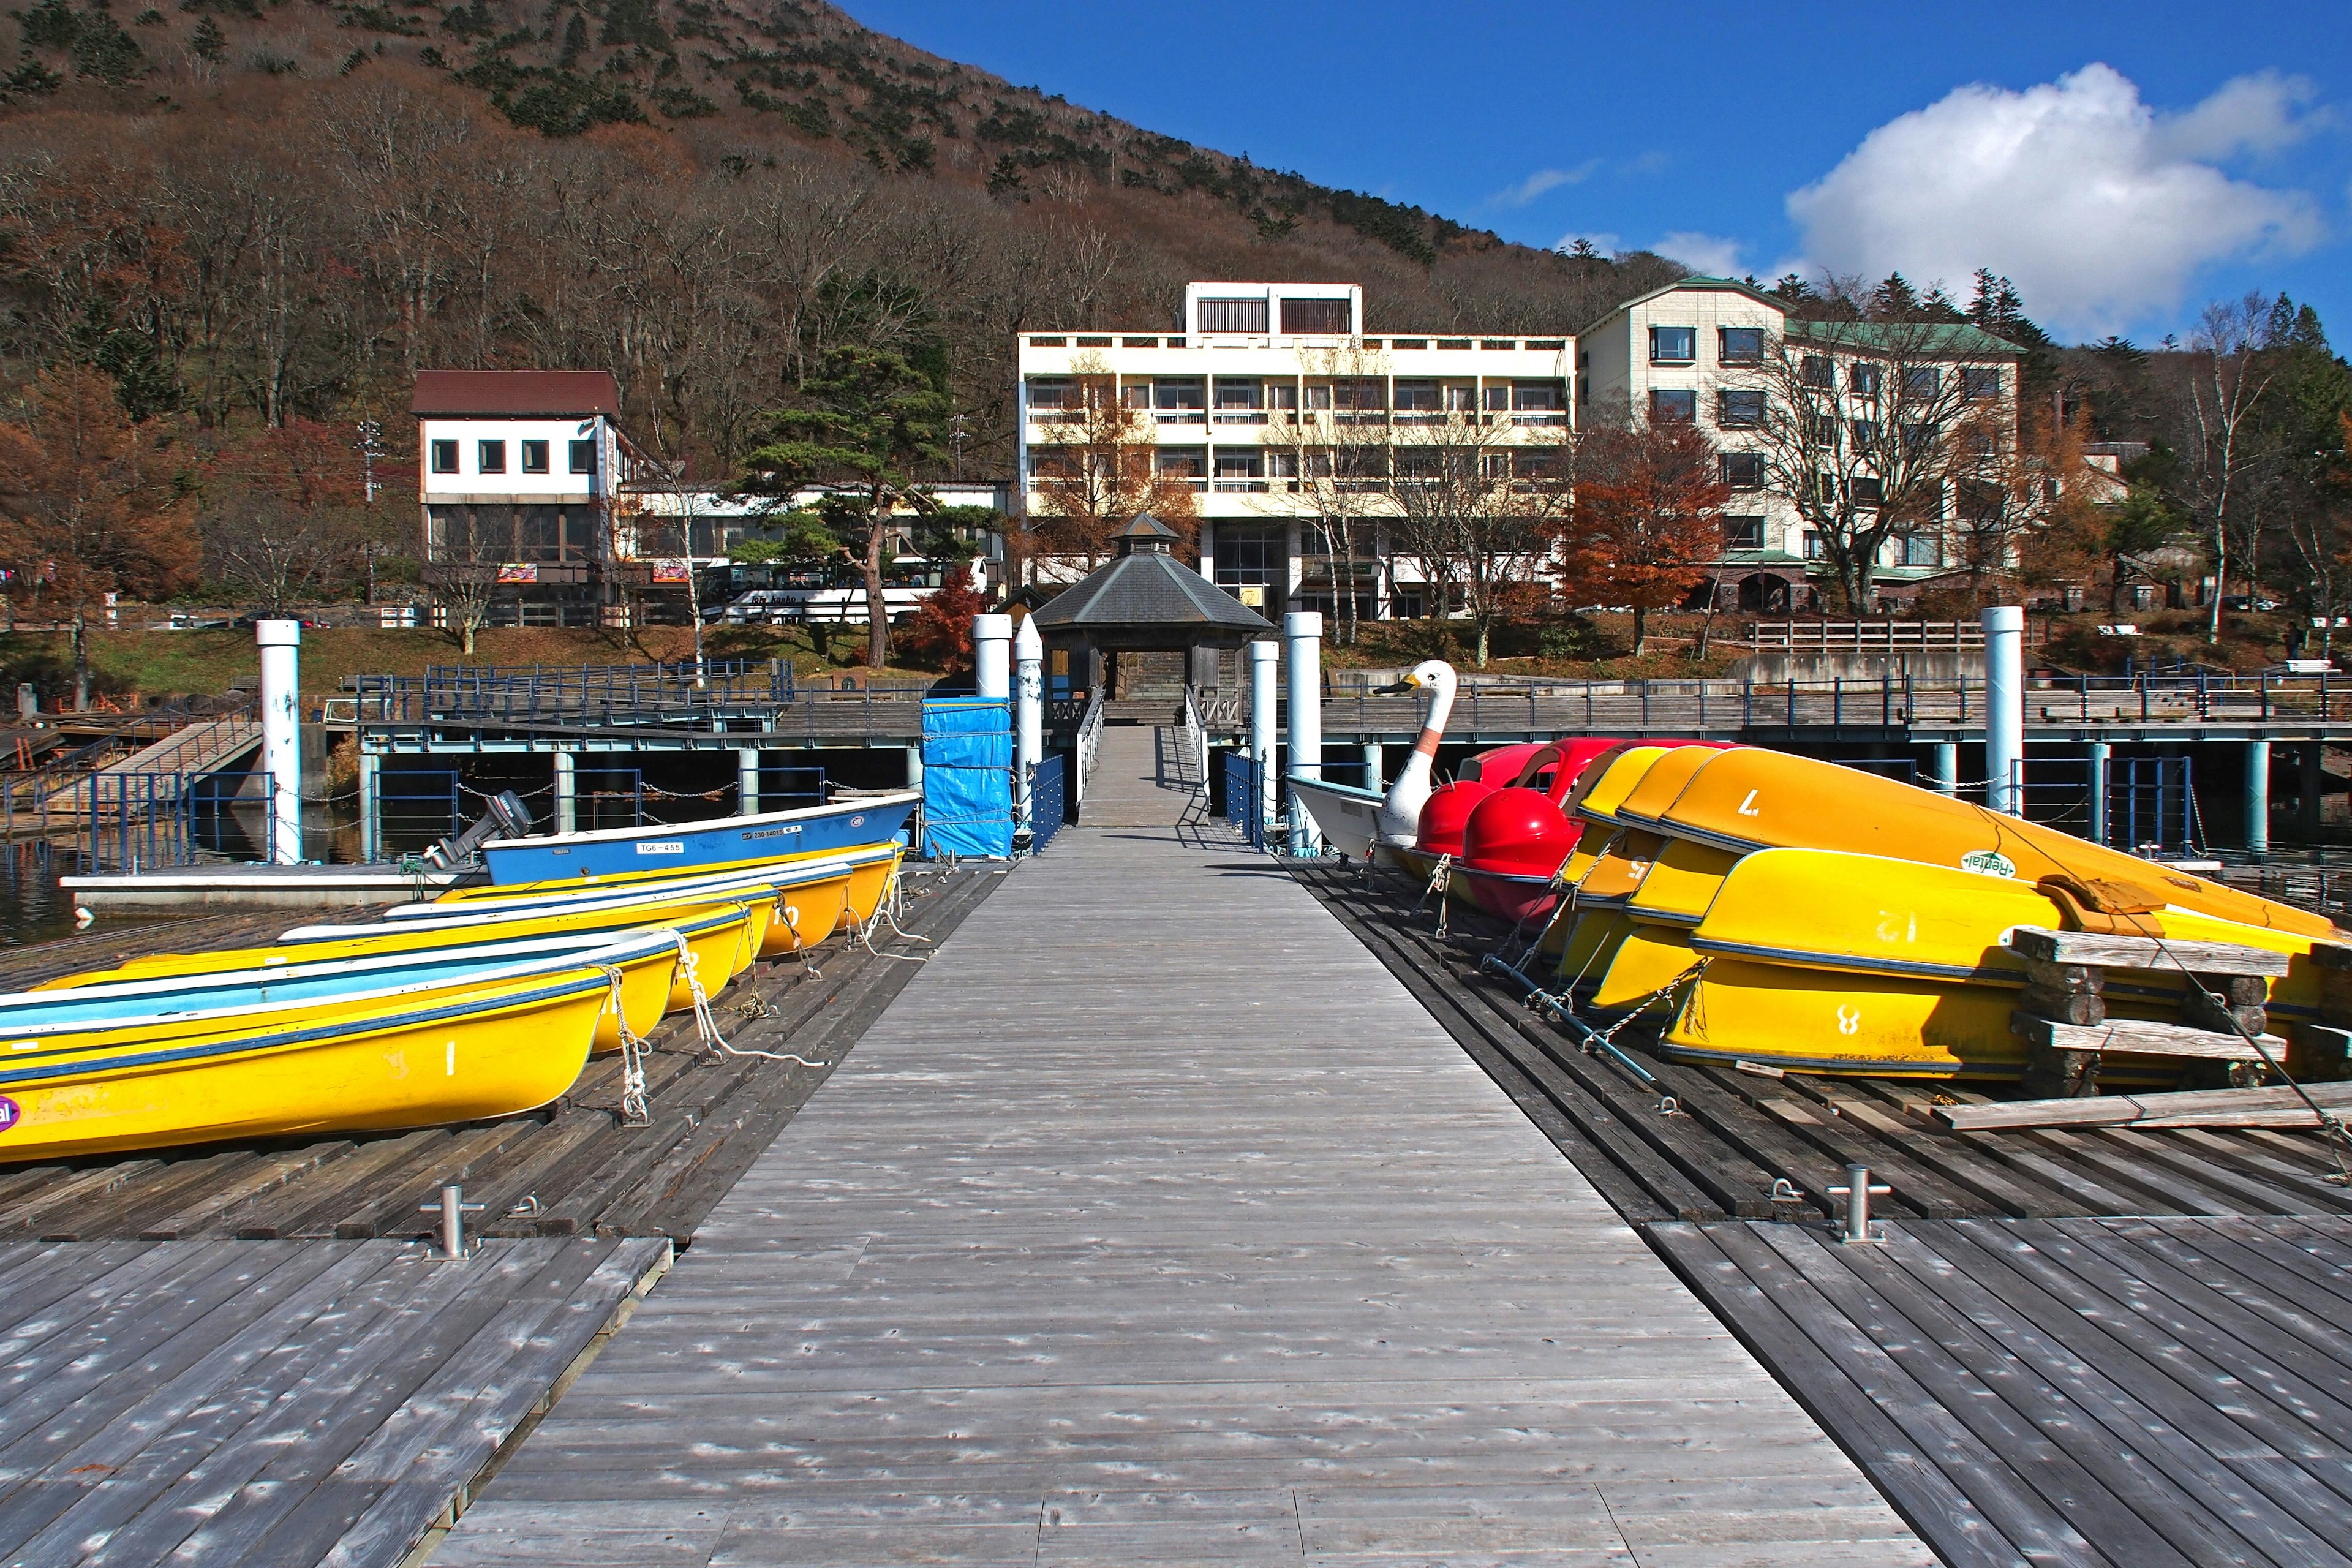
[812, 897]
[1590, 946]
[1648, 960]
[1749, 798]
[457, 1053]
[1868, 914]
[869, 885]
[1681, 884]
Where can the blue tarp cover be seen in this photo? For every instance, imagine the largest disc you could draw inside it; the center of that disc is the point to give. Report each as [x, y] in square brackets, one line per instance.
[967, 777]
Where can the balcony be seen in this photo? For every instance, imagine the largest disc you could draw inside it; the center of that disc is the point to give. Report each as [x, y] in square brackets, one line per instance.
[1240, 487]
[1239, 416]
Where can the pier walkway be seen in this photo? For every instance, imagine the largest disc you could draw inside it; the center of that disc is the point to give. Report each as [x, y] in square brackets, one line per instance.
[1143, 777]
[1156, 1222]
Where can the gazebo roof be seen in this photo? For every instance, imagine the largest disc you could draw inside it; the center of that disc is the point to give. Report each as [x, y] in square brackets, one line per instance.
[1145, 591]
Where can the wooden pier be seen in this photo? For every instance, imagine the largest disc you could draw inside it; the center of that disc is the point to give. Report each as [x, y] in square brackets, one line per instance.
[1156, 1222]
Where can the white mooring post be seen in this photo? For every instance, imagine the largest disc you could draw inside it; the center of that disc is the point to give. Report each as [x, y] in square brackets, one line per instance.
[747, 781]
[2258, 797]
[991, 657]
[1029, 714]
[1302, 633]
[2101, 765]
[1264, 670]
[567, 795]
[2004, 710]
[281, 734]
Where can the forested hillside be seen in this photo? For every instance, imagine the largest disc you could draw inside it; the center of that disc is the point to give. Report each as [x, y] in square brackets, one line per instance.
[247, 212]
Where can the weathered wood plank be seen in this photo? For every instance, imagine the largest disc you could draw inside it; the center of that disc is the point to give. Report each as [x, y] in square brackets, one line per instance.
[2083, 947]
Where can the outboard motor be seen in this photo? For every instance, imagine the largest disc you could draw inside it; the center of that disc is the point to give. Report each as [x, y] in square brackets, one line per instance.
[507, 817]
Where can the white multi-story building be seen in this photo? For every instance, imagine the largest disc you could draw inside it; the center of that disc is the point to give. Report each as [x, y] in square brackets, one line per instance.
[1704, 351]
[1235, 394]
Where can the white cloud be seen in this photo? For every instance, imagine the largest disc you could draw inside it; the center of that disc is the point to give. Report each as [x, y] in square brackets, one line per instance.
[2099, 208]
[1716, 256]
[2258, 113]
[1543, 180]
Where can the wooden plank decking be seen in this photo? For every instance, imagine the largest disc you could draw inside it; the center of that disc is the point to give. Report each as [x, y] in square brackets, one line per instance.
[2133, 1355]
[1156, 1222]
[1143, 777]
[285, 1402]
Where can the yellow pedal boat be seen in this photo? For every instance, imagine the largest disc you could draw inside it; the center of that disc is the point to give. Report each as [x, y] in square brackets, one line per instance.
[814, 891]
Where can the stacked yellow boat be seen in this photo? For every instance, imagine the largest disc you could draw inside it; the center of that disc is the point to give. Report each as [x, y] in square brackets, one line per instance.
[485, 1002]
[1770, 908]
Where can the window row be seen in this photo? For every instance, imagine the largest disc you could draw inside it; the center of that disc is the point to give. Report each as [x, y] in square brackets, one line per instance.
[1178, 395]
[1921, 384]
[1733, 345]
[1906, 549]
[502, 534]
[490, 456]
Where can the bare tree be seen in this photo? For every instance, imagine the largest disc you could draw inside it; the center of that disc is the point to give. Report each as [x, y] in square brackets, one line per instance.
[1329, 440]
[1097, 467]
[1475, 508]
[2219, 445]
[1864, 427]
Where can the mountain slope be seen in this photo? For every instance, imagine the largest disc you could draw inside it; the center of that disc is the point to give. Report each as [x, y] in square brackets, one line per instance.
[248, 209]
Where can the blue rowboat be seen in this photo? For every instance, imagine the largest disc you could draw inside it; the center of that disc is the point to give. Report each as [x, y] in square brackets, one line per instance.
[724, 841]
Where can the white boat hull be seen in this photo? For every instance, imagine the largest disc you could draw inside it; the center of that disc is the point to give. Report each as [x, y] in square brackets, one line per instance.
[1348, 818]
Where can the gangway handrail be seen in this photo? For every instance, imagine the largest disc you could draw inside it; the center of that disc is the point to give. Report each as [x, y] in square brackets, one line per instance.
[1196, 740]
[1090, 730]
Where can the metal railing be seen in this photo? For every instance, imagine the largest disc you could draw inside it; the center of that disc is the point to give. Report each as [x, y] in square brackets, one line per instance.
[1196, 744]
[1242, 808]
[142, 821]
[1866, 636]
[1090, 730]
[1889, 701]
[1047, 807]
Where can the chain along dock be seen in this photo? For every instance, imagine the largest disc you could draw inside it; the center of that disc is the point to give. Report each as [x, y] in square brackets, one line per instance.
[1154, 1221]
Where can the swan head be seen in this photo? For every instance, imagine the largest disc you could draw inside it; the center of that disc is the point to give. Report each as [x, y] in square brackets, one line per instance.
[1430, 674]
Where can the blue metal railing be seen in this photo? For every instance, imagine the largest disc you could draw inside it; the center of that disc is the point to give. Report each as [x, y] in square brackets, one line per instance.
[1241, 798]
[1047, 804]
[142, 821]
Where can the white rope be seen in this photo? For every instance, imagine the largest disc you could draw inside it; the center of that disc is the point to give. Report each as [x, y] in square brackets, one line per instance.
[707, 1026]
[636, 1109]
[886, 914]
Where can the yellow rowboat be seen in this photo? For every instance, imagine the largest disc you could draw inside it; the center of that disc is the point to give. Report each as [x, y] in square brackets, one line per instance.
[1608, 780]
[1648, 960]
[1619, 869]
[815, 889]
[869, 884]
[1660, 783]
[717, 952]
[1818, 1020]
[1681, 884]
[1869, 914]
[1750, 798]
[647, 971]
[1591, 945]
[462, 1052]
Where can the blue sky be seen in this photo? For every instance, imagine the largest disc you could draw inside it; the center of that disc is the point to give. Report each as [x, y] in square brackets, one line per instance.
[2124, 165]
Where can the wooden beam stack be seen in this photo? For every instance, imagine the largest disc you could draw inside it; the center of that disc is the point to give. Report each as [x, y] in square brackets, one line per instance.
[2063, 1018]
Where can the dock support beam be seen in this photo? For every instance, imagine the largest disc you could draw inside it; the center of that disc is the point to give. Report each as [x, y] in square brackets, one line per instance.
[1029, 719]
[370, 808]
[2258, 797]
[567, 795]
[2004, 721]
[2311, 790]
[992, 658]
[1371, 764]
[914, 766]
[1944, 767]
[1302, 631]
[1264, 667]
[747, 781]
[2100, 767]
[281, 734]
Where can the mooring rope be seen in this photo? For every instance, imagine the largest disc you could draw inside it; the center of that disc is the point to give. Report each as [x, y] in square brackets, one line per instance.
[636, 1109]
[707, 1026]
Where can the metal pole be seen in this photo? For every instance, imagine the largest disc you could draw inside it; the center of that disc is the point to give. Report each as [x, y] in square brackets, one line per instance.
[1857, 1194]
[992, 658]
[2004, 715]
[2100, 753]
[2258, 797]
[1302, 633]
[1265, 665]
[371, 807]
[1371, 764]
[567, 795]
[281, 734]
[1029, 708]
[1947, 766]
[747, 781]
